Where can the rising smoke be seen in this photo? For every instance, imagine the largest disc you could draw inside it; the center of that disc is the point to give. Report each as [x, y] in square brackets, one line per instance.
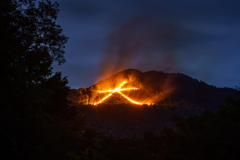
[151, 43]
[142, 44]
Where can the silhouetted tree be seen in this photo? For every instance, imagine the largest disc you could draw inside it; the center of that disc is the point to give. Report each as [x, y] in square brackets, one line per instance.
[32, 101]
[30, 41]
[78, 97]
[211, 135]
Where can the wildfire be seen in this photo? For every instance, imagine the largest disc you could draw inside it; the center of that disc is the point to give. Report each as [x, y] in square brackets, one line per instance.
[119, 89]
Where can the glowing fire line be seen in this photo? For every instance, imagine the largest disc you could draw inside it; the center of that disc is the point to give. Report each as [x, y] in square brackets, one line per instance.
[129, 99]
[118, 89]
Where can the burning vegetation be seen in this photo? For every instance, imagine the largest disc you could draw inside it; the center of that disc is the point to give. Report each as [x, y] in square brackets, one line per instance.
[119, 90]
[126, 87]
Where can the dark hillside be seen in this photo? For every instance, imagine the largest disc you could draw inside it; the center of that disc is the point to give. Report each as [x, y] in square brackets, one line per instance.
[172, 94]
[173, 85]
[188, 89]
[121, 120]
[200, 93]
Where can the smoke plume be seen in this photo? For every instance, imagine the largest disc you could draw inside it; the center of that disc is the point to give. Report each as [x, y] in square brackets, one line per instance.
[153, 43]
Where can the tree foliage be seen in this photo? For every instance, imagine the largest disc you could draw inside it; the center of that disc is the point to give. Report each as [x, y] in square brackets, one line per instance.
[35, 116]
[30, 40]
[211, 135]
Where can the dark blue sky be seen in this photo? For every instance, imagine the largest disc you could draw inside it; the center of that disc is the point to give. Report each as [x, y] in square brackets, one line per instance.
[197, 38]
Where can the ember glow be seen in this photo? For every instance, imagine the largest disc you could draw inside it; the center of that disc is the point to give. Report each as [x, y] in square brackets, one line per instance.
[118, 90]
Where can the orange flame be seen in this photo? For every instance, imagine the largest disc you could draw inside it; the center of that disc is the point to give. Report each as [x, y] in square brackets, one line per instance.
[119, 89]
[130, 99]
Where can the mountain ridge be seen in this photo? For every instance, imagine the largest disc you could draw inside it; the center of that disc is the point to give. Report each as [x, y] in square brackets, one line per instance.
[180, 95]
[178, 86]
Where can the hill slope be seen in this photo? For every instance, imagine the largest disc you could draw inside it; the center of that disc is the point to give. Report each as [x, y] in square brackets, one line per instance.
[155, 86]
[172, 93]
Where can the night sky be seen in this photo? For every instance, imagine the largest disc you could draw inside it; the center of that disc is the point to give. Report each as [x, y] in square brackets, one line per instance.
[200, 38]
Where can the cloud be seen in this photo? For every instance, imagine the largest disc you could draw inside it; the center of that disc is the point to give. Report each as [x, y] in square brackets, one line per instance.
[150, 43]
[194, 37]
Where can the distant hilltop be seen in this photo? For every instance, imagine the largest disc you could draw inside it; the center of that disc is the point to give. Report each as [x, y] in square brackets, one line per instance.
[154, 87]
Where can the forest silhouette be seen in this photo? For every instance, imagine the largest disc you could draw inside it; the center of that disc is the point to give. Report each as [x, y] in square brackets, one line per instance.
[38, 121]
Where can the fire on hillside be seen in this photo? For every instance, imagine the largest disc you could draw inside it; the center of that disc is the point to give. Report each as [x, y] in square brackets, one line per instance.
[126, 87]
[118, 90]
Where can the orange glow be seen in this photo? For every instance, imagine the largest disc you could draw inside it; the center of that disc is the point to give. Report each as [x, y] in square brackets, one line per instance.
[119, 89]
[130, 99]
[103, 99]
